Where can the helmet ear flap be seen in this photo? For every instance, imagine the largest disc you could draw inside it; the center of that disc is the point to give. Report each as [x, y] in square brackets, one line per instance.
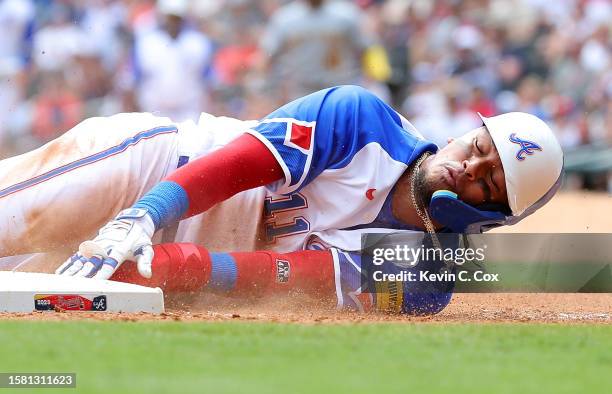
[447, 209]
[503, 208]
[540, 203]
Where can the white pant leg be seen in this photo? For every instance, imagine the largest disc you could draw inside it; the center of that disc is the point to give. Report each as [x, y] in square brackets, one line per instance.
[60, 194]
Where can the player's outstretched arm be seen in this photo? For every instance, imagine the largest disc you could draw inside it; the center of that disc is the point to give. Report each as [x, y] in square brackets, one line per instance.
[325, 275]
[243, 164]
[183, 267]
[322, 275]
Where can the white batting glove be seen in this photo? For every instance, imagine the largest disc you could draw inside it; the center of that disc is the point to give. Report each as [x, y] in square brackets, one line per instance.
[127, 237]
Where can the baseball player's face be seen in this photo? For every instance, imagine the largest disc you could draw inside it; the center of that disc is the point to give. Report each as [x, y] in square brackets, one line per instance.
[469, 166]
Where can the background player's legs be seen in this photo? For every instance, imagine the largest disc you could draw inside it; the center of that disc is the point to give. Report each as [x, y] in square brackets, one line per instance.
[56, 196]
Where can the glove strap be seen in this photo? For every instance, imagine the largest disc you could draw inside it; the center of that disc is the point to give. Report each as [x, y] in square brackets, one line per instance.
[140, 216]
[132, 213]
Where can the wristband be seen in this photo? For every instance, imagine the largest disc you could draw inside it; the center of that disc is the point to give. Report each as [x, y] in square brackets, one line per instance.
[165, 203]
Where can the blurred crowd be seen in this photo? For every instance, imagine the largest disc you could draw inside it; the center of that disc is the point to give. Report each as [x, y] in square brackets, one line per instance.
[438, 62]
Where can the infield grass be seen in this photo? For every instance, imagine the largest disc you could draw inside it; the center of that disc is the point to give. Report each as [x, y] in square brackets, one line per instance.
[235, 357]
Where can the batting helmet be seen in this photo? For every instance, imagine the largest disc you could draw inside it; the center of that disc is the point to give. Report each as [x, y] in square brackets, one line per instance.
[533, 165]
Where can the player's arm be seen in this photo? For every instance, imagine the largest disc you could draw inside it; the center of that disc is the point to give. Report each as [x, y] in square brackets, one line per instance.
[243, 164]
[325, 275]
[182, 267]
[278, 151]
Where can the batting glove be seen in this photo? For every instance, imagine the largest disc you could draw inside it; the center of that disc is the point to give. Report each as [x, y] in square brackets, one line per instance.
[127, 237]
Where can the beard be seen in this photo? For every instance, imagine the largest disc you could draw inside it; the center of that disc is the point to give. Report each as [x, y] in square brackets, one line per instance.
[424, 188]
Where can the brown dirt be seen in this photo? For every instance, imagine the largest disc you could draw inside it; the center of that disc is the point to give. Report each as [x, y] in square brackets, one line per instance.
[464, 308]
[569, 212]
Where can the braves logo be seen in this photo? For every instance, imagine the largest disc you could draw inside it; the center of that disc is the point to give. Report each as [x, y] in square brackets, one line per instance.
[527, 147]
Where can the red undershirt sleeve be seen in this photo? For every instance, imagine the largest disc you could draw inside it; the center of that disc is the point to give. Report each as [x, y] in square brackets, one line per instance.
[243, 164]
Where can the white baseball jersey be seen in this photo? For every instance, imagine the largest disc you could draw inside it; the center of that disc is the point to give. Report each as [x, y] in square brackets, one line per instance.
[342, 150]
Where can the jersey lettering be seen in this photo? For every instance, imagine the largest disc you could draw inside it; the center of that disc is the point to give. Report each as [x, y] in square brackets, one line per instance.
[274, 206]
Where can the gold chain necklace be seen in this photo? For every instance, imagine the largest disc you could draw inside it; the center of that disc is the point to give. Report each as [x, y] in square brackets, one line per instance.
[424, 215]
[422, 212]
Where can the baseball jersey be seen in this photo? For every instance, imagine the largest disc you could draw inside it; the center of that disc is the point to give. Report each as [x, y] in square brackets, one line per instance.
[342, 151]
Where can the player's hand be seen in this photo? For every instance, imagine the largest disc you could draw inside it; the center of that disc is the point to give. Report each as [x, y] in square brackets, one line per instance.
[127, 237]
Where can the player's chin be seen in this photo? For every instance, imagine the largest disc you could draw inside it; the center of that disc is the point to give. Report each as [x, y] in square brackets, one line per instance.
[435, 179]
[441, 181]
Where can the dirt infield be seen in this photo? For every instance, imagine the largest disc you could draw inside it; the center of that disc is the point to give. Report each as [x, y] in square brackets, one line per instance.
[568, 213]
[464, 308]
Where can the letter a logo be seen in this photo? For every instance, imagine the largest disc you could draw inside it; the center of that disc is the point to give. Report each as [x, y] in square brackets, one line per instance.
[527, 147]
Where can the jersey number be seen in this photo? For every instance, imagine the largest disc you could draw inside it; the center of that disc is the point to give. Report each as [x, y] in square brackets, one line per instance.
[295, 225]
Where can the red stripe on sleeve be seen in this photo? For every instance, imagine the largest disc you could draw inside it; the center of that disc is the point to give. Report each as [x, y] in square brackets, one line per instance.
[243, 164]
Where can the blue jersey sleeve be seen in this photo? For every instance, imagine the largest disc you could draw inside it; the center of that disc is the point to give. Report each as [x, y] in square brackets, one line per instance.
[325, 130]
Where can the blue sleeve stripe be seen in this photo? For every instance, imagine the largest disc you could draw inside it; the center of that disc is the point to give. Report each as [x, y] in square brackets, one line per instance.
[223, 272]
[166, 203]
[96, 157]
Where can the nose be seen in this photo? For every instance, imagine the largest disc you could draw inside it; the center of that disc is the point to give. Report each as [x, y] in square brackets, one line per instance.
[473, 168]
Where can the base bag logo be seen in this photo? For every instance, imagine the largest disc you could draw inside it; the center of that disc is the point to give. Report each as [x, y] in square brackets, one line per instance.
[69, 302]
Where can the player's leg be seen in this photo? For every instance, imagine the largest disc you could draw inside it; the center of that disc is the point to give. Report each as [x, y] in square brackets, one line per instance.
[55, 196]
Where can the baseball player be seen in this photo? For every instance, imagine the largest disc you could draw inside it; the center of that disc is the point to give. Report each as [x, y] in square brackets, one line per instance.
[334, 164]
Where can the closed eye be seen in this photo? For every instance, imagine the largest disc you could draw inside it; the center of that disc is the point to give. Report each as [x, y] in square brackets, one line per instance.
[477, 146]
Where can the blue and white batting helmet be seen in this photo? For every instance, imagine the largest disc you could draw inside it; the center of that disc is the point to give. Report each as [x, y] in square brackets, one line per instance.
[533, 165]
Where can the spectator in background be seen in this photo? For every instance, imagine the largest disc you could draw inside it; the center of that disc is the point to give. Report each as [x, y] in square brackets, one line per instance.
[169, 66]
[16, 24]
[448, 58]
[440, 110]
[56, 108]
[90, 80]
[104, 21]
[56, 42]
[313, 44]
[480, 103]
[239, 89]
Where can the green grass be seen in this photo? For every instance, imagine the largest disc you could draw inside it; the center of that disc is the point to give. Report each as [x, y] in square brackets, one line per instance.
[164, 357]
